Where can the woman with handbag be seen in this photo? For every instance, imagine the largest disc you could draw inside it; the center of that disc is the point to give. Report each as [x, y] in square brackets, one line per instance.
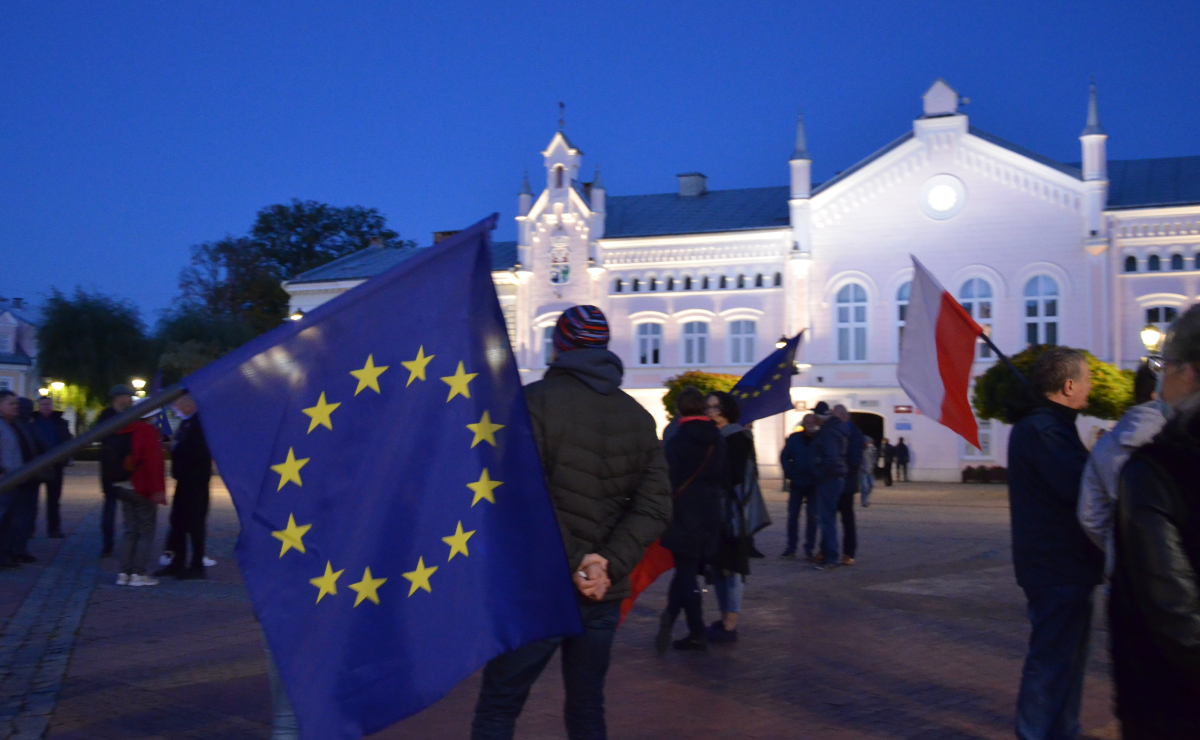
[696, 457]
[741, 516]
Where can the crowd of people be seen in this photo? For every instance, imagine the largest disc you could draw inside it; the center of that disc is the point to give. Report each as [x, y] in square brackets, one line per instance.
[132, 475]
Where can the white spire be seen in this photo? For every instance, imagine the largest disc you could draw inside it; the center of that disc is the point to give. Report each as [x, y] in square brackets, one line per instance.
[525, 189]
[801, 150]
[1093, 117]
[597, 183]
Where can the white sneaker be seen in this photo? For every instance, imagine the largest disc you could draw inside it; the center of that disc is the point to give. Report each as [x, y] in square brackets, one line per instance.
[209, 562]
[122, 579]
[165, 559]
[137, 580]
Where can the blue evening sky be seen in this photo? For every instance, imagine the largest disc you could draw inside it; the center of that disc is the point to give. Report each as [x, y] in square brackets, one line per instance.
[130, 131]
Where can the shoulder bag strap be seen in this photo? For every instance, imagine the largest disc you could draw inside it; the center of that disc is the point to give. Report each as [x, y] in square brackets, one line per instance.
[688, 482]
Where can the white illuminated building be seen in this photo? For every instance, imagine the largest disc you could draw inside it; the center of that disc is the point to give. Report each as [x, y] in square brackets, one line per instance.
[1037, 250]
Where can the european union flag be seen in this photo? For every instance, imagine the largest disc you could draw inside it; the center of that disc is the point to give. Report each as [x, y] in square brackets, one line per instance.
[766, 389]
[396, 528]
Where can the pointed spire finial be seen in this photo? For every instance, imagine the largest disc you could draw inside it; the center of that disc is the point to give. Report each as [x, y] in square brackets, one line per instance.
[597, 183]
[562, 115]
[801, 150]
[1093, 116]
[525, 189]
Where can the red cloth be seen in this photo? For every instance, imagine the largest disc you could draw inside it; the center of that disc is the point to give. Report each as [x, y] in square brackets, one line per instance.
[686, 419]
[656, 561]
[146, 461]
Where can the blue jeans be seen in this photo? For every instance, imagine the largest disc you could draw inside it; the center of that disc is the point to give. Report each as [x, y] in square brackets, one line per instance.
[729, 587]
[796, 499]
[868, 485]
[508, 678]
[829, 494]
[1052, 679]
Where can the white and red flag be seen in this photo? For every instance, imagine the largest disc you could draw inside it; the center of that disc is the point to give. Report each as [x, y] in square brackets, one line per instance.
[936, 354]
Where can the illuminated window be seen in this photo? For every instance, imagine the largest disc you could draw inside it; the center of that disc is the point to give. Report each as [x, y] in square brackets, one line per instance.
[695, 343]
[976, 296]
[649, 344]
[741, 342]
[851, 323]
[1041, 310]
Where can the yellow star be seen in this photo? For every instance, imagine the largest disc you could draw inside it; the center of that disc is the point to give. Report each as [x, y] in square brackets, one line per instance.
[320, 414]
[328, 582]
[483, 488]
[458, 383]
[766, 386]
[420, 577]
[416, 367]
[367, 587]
[485, 430]
[289, 469]
[458, 542]
[368, 377]
[756, 394]
[292, 537]
[776, 376]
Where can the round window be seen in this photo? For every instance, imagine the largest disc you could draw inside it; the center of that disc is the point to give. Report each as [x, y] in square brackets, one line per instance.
[942, 197]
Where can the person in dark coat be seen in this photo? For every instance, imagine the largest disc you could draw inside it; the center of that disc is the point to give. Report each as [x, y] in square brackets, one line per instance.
[25, 505]
[697, 460]
[830, 445]
[1055, 562]
[798, 460]
[50, 430]
[887, 453]
[16, 448]
[114, 449]
[1154, 606]
[856, 443]
[902, 459]
[191, 467]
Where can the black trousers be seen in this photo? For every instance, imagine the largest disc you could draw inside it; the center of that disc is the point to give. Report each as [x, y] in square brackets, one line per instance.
[684, 595]
[189, 515]
[53, 495]
[887, 473]
[849, 530]
[902, 471]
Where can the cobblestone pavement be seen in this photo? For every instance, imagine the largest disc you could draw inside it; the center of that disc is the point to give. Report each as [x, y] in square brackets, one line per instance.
[923, 638]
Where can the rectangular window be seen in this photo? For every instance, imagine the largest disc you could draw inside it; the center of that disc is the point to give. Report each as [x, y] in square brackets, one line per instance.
[985, 443]
[1031, 309]
[1051, 332]
[547, 345]
[860, 342]
[649, 344]
[695, 343]
[843, 343]
[741, 342]
[1051, 307]
[6, 383]
[5, 343]
[1031, 336]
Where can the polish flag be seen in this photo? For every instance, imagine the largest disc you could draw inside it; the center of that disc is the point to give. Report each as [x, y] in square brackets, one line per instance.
[936, 354]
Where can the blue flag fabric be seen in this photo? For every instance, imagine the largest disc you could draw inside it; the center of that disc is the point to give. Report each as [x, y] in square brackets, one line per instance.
[766, 389]
[397, 532]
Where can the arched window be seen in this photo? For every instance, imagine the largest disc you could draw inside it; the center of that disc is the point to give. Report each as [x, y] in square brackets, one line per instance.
[1177, 262]
[618, 285]
[1041, 310]
[547, 345]
[758, 281]
[1162, 316]
[976, 296]
[741, 281]
[1198, 261]
[695, 343]
[649, 344]
[687, 282]
[653, 284]
[1153, 263]
[635, 285]
[671, 283]
[778, 279]
[558, 176]
[1131, 264]
[704, 284]
[724, 282]
[741, 342]
[902, 296]
[852, 323]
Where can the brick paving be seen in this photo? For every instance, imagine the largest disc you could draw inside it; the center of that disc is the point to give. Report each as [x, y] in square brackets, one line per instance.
[923, 638]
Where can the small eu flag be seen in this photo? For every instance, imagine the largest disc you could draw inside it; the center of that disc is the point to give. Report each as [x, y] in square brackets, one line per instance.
[766, 389]
[396, 528]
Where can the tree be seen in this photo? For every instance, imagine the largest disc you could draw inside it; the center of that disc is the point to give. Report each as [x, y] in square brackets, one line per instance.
[239, 278]
[190, 336]
[1111, 394]
[702, 381]
[92, 341]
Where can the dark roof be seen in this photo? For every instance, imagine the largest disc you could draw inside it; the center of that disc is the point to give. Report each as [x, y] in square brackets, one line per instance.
[1142, 183]
[371, 261]
[13, 358]
[1067, 169]
[716, 210]
[862, 163]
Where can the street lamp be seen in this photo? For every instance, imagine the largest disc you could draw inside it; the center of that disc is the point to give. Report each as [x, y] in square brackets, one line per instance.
[57, 385]
[138, 383]
[781, 342]
[43, 392]
[1152, 338]
[297, 314]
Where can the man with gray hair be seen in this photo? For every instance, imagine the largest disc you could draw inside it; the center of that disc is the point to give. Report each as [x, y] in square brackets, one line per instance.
[1055, 562]
[1154, 608]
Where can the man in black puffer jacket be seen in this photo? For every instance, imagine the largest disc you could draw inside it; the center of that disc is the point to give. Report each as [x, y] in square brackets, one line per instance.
[1055, 562]
[1154, 608]
[607, 477]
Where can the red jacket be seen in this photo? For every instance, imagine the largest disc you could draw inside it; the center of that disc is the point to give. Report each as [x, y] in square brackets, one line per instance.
[146, 462]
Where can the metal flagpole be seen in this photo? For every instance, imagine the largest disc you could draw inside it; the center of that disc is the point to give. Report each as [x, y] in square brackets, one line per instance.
[66, 449]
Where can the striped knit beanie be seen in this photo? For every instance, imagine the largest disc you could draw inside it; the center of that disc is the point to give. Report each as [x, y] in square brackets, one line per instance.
[580, 327]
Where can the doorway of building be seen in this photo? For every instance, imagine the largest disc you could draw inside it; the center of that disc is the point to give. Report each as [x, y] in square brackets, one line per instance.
[871, 425]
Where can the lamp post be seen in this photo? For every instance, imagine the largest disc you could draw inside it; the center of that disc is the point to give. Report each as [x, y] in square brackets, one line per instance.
[781, 342]
[1152, 338]
[139, 385]
[297, 314]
